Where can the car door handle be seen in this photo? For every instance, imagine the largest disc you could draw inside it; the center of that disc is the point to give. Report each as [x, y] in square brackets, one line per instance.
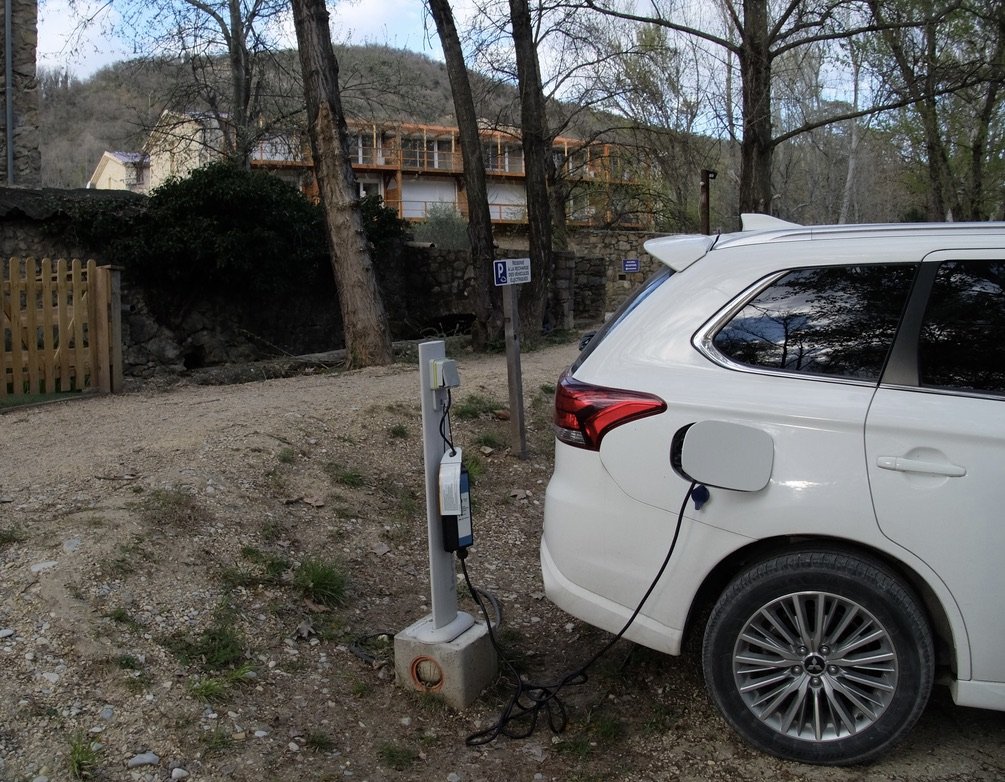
[900, 464]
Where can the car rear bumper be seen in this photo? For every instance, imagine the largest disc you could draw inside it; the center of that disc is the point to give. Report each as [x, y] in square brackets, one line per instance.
[603, 613]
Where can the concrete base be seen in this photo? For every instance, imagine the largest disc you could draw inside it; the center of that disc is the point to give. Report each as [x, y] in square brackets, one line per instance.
[457, 670]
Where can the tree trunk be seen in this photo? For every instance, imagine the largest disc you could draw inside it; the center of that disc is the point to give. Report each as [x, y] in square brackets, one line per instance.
[488, 325]
[537, 161]
[367, 338]
[756, 147]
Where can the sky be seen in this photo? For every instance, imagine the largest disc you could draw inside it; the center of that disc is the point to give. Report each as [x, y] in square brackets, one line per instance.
[62, 43]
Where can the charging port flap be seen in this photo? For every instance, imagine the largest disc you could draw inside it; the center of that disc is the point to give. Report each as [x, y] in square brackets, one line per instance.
[724, 455]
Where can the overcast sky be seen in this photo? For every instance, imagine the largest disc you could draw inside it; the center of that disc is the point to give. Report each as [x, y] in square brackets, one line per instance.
[397, 23]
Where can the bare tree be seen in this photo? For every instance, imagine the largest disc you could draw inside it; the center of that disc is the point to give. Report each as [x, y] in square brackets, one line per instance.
[757, 33]
[951, 74]
[367, 336]
[227, 48]
[488, 324]
[536, 138]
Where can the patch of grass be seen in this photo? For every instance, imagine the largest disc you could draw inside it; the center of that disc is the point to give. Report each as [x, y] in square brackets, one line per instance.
[548, 389]
[235, 577]
[409, 503]
[10, 402]
[173, 508]
[661, 719]
[217, 648]
[215, 688]
[398, 431]
[577, 746]
[318, 742]
[272, 531]
[474, 406]
[216, 741]
[361, 688]
[209, 688]
[81, 758]
[128, 662]
[277, 484]
[121, 616]
[11, 535]
[606, 730]
[345, 476]
[475, 466]
[270, 568]
[273, 565]
[490, 440]
[396, 756]
[322, 582]
[286, 456]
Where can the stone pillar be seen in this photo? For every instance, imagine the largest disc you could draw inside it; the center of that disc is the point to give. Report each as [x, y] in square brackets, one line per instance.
[23, 43]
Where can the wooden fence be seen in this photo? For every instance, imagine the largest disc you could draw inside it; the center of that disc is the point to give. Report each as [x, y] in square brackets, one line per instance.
[60, 327]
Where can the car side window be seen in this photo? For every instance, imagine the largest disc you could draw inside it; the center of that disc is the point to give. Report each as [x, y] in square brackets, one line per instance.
[835, 320]
[961, 345]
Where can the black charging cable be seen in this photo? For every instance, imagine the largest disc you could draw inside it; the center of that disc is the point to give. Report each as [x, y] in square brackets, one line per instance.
[530, 700]
[444, 421]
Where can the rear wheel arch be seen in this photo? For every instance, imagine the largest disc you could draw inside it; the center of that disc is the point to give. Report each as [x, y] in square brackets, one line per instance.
[719, 578]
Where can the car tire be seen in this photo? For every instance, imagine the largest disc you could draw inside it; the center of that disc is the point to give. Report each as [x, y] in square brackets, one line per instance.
[819, 656]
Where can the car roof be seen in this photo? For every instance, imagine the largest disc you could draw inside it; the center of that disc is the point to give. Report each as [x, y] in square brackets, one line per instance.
[680, 251]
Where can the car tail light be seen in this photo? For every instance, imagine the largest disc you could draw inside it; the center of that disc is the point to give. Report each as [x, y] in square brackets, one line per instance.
[584, 413]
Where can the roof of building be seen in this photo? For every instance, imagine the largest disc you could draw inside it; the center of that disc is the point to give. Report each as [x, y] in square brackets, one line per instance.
[130, 158]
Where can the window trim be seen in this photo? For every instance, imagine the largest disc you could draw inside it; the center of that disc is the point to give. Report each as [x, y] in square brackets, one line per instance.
[902, 371]
[702, 340]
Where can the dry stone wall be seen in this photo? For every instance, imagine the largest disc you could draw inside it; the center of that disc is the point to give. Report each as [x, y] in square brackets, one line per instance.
[427, 291]
[24, 41]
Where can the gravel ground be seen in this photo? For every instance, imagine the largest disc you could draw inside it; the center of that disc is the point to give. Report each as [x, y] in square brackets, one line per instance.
[161, 558]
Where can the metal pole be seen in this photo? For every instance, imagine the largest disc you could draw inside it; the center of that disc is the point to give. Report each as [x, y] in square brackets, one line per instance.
[511, 317]
[447, 623]
[707, 175]
[8, 47]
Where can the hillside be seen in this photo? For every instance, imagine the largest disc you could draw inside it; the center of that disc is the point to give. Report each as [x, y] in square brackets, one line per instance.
[115, 108]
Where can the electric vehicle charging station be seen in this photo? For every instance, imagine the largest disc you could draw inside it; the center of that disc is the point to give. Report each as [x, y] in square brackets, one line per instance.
[447, 652]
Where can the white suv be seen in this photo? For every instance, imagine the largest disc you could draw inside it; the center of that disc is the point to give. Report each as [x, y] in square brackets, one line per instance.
[809, 423]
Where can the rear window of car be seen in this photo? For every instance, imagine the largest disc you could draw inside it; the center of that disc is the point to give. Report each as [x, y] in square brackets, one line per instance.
[623, 311]
[835, 320]
[962, 342]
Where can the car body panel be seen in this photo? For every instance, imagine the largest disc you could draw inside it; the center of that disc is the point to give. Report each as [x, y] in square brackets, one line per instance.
[610, 515]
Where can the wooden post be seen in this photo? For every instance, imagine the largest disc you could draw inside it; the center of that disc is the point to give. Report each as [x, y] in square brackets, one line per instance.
[97, 284]
[83, 370]
[115, 326]
[31, 325]
[511, 316]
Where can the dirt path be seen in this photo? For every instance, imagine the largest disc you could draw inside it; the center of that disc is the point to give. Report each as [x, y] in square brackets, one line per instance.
[153, 614]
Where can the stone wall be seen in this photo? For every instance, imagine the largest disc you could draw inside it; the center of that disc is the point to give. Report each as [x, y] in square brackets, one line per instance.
[25, 237]
[27, 159]
[602, 284]
[427, 292]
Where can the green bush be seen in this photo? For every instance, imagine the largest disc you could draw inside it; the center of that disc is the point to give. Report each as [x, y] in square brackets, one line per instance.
[225, 233]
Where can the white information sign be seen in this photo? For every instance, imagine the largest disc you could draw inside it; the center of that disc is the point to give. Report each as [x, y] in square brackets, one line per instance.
[512, 271]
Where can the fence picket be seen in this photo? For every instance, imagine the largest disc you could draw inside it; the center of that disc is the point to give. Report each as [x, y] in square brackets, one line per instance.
[64, 317]
[60, 327]
[17, 358]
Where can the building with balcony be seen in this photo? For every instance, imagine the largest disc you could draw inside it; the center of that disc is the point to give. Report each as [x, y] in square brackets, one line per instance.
[416, 169]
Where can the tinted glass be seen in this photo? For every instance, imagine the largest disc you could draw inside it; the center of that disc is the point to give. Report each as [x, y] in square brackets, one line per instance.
[661, 276]
[963, 336]
[829, 321]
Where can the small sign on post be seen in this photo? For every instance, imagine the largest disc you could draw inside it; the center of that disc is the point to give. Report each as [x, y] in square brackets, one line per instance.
[512, 271]
[507, 274]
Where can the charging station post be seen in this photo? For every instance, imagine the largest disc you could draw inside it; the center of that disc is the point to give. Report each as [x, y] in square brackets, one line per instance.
[446, 652]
